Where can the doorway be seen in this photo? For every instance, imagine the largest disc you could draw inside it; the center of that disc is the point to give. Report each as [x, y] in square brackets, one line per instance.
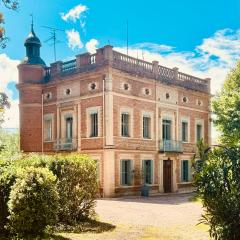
[167, 176]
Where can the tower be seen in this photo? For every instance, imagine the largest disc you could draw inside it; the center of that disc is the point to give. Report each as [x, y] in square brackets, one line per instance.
[31, 75]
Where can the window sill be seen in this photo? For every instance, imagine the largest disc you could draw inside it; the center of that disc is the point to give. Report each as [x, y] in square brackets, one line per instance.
[147, 139]
[48, 141]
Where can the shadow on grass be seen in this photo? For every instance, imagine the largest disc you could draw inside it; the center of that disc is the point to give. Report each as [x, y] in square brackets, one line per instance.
[89, 226]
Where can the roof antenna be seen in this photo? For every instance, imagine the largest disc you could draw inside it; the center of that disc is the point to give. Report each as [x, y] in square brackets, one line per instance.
[53, 39]
[127, 37]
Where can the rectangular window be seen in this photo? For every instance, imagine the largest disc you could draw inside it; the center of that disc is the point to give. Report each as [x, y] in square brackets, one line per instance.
[98, 169]
[69, 129]
[199, 132]
[125, 124]
[185, 131]
[185, 171]
[94, 124]
[48, 129]
[146, 127]
[166, 129]
[126, 172]
[148, 171]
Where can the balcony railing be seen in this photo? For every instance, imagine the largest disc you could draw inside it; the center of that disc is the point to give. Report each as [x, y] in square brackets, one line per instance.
[66, 144]
[170, 146]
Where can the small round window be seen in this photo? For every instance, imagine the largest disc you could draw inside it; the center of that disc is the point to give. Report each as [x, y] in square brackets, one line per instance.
[185, 99]
[68, 91]
[167, 95]
[199, 102]
[147, 91]
[125, 86]
[48, 96]
[93, 86]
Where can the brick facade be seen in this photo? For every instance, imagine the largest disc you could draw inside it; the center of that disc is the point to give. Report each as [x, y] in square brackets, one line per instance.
[99, 87]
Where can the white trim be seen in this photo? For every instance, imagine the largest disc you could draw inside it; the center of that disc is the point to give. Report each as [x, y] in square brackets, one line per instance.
[125, 157]
[46, 117]
[131, 119]
[151, 116]
[199, 122]
[89, 111]
[187, 120]
[168, 116]
[148, 157]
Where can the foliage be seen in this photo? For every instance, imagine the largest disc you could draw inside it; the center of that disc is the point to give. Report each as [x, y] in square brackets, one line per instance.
[8, 175]
[77, 186]
[10, 4]
[9, 145]
[76, 183]
[33, 202]
[4, 102]
[218, 185]
[226, 106]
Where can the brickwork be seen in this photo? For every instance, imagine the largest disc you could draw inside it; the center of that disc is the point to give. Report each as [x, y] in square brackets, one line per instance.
[97, 83]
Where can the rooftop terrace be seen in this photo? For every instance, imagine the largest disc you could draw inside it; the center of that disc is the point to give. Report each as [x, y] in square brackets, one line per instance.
[107, 56]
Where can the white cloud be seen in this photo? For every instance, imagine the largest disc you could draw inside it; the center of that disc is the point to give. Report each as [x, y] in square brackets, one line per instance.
[74, 40]
[92, 45]
[9, 73]
[213, 58]
[75, 13]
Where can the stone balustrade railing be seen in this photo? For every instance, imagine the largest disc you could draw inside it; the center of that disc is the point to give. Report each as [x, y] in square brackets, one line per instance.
[107, 56]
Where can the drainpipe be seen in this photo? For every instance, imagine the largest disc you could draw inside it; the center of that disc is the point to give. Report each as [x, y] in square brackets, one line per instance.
[42, 124]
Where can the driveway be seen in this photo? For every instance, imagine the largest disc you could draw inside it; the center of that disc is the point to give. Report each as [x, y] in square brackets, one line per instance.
[173, 215]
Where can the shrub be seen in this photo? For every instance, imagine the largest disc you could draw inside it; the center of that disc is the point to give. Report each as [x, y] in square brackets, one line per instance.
[33, 202]
[218, 185]
[77, 186]
[7, 179]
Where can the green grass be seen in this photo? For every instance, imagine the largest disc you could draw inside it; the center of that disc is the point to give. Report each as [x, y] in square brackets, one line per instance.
[195, 198]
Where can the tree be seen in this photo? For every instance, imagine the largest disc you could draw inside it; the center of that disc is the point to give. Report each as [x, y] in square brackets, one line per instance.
[226, 106]
[4, 104]
[218, 185]
[10, 4]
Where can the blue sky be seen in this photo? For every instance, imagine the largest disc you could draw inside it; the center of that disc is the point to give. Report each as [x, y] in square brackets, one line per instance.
[199, 37]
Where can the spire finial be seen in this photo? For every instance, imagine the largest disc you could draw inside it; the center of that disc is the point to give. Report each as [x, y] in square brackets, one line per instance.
[32, 22]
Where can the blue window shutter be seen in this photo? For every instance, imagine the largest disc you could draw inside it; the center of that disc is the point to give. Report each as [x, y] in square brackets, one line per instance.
[151, 171]
[121, 172]
[143, 172]
[185, 171]
[131, 175]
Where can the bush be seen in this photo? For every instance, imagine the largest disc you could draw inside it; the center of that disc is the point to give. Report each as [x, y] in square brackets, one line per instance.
[77, 186]
[33, 201]
[7, 179]
[218, 185]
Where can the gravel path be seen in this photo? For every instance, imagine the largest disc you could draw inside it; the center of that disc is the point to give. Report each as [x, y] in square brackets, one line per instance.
[174, 215]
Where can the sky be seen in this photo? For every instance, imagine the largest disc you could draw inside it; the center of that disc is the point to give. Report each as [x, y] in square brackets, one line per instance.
[201, 38]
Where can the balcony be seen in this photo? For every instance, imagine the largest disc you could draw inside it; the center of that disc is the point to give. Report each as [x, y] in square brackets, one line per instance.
[66, 144]
[170, 146]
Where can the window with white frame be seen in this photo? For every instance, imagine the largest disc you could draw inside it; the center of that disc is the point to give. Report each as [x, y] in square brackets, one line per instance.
[48, 128]
[184, 130]
[126, 172]
[199, 130]
[125, 124]
[97, 168]
[94, 124]
[166, 129]
[185, 171]
[146, 127]
[147, 169]
[69, 128]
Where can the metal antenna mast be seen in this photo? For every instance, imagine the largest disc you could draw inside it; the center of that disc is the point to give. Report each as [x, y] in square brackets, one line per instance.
[53, 39]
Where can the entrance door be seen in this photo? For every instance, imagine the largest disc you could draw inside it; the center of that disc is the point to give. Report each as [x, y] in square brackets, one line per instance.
[167, 176]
